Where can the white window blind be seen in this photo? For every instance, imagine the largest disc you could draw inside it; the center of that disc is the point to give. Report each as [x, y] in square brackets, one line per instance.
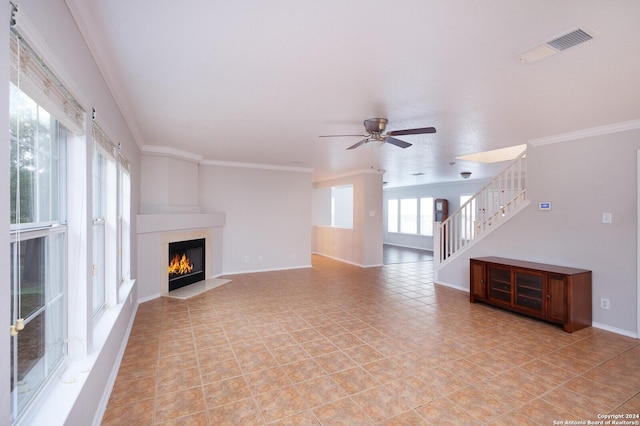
[35, 79]
[102, 140]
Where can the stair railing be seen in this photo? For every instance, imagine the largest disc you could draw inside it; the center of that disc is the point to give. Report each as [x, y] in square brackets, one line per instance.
[484, 210]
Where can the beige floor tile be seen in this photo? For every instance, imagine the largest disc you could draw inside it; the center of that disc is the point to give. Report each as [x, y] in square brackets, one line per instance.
[138, 413]
[176, 380]
[245, 411]
[226, 391]
[220, 370]
[404, 419]
[281, 403]
[198, 419]
[444, 412]
[335, 361]
[342, 412]
[303, 370]
[288, 354]
[128, 391]
[380, 403]
[306, 418]
[171, 406]
[320, 390]
[267, 380]
[354, 380]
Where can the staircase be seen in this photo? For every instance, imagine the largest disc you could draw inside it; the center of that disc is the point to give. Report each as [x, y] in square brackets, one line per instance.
[499, 200]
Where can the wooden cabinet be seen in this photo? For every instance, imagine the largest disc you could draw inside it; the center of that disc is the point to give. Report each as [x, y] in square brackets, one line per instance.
[552, 293]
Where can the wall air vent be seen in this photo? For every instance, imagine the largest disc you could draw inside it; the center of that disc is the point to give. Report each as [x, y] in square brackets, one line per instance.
[556, 45]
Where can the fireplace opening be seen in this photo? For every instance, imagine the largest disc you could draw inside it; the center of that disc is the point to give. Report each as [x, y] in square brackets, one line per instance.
[186, 263]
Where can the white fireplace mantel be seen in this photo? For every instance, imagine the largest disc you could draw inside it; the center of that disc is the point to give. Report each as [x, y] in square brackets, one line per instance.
[175, 222]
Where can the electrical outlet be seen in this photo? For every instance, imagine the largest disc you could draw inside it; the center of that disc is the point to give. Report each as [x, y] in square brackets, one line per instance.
[246, 259]
[259, 258]
[605, 304]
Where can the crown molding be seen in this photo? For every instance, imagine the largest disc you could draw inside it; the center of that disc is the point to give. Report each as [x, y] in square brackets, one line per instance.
[165, 151]
[255, 166]
[581, 134]
[357, 172]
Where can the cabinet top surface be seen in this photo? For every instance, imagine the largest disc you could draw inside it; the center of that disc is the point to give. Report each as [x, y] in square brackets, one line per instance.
[531, 265]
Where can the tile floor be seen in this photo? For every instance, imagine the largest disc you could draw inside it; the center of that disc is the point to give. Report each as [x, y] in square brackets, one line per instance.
[394, 254]
[337, 344]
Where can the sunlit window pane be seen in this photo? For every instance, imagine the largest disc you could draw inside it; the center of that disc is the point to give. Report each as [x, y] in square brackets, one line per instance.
[409, 215]
[426, 216]
[392, 215]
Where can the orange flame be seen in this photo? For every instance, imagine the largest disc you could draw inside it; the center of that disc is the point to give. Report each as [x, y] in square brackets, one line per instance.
[180, 265]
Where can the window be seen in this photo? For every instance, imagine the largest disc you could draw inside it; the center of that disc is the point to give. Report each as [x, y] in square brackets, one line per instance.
[105, 265]
[410, 215]
[392, 215]
[426, 216]
[124, 213]
[333, 206]
[342, 206]
[44, 117]
[99, 238]
[38, 242]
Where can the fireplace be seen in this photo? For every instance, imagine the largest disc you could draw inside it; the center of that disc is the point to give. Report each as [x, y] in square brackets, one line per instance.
[186, 263]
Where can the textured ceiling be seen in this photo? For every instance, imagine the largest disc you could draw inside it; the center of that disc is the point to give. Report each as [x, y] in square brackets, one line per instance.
[258, 82]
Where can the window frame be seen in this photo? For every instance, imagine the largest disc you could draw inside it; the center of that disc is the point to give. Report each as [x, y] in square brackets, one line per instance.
[123, 220]
[53, 232]
[394, 216]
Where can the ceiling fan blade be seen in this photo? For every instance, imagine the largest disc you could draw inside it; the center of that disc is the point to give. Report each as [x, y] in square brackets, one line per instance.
[339, 136]
[419, 131]
[363, 141]
[398, 142]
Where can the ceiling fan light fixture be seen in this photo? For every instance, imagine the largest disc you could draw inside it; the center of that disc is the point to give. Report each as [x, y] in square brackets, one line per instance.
[375, 125]
[375, 128]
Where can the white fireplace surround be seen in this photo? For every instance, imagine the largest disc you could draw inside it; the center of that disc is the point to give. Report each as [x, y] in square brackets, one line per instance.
[156, 231]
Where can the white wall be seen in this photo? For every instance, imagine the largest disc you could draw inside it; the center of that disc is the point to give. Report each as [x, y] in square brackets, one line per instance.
[56, 37]
[268, 216]
[449, 191]
[582, 179]
[170, 185]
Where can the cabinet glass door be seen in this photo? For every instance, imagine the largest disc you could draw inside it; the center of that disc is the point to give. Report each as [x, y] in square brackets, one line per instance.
[528, 287]
[500, 284]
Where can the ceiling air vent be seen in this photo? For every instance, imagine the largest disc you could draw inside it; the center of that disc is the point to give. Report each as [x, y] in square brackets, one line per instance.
[569, 40]
[556, 45]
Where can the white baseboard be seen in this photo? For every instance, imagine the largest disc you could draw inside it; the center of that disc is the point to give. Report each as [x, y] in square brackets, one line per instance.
[252, 271]
[615, 330]
[375, 265]
[454, 286]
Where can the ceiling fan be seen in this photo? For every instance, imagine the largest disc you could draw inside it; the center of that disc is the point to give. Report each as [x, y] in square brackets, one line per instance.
[375, 128]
